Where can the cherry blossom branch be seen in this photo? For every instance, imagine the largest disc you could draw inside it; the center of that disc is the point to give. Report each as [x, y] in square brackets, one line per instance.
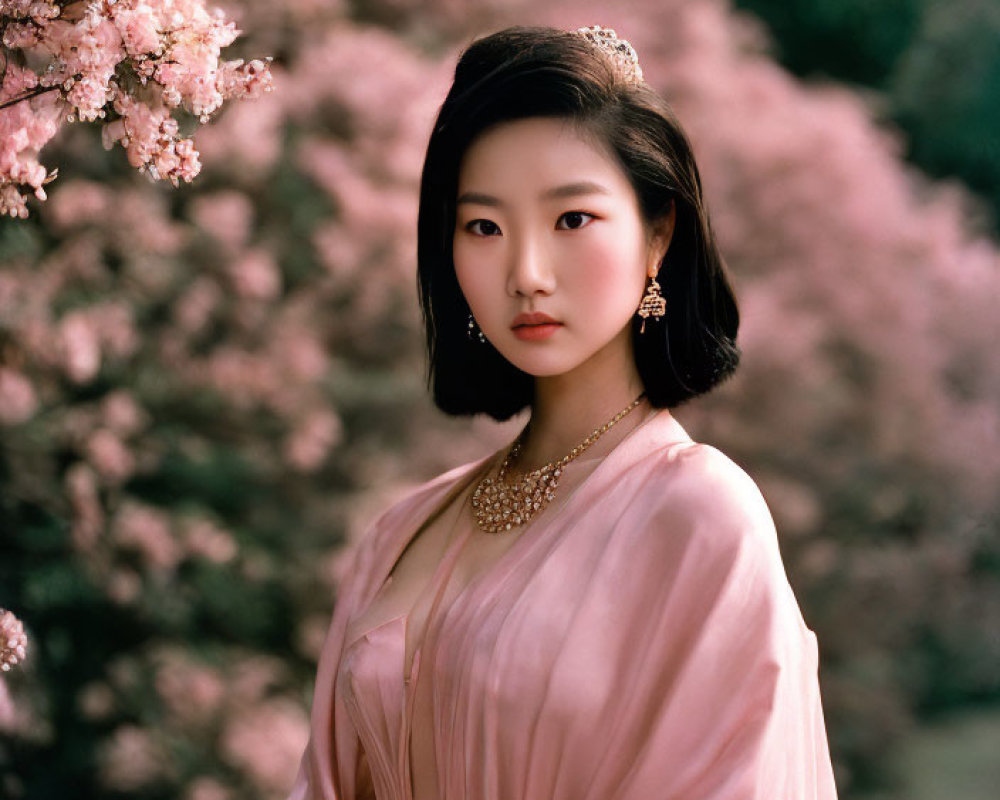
[33, 93]
[128, 63]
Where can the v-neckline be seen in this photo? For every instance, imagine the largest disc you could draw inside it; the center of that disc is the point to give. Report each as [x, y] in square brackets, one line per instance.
[441, 504]
[438, 504]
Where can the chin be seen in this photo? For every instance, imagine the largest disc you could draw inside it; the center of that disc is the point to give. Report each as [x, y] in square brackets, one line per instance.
[539, 366]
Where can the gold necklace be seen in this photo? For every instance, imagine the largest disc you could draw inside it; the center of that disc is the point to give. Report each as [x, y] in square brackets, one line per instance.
[499, 506]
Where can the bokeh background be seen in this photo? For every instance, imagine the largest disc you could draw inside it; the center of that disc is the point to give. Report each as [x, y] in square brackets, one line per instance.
[207, 393]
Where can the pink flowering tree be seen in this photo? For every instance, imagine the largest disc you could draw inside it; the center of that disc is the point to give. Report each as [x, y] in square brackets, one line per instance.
[132, 64]
[207, 392]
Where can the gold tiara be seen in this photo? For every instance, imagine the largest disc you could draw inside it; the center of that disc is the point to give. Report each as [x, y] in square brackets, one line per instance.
[621, 54]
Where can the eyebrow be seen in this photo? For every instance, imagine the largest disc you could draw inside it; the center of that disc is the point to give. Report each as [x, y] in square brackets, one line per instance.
[566, 190]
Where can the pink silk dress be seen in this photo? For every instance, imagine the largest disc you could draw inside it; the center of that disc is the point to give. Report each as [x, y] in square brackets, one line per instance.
[641, 641]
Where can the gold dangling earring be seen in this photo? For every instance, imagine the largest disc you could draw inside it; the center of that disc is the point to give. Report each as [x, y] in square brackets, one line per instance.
[652, 305]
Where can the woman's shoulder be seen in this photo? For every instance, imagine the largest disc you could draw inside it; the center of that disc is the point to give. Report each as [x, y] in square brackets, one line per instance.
[671, 463]
[412, 501]
[696, 471]
[697, 487]
[703, 509]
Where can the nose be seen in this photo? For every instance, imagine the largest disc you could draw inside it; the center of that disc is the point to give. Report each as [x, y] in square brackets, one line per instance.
[529, 271]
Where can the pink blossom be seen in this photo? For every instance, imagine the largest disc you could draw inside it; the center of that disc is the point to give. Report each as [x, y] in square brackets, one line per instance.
[116, 328]
[85, 335]
[250, 679]
[146, 530]
[110, 457]
[130, 759]
[339, 251]
[266, 741]
[17, 80]
[255, 275]
[226, 215]
[88, 97]
[192, 693]
[311, 635]
[78, 202]
[208, 789]
[138, 28]
[298, 350]
[13, 641]
[203, 538]
[195, 307]
[122, 414]
[312, 439]
[80, 344]
[78, 50]
[143, 226]
[246, 136]
[239, 80]
[25, 128]
[18, 401]
[20, 35]
[245, 378]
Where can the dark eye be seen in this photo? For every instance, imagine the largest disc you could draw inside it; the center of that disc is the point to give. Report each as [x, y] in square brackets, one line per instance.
[486, 228]
[576, 219]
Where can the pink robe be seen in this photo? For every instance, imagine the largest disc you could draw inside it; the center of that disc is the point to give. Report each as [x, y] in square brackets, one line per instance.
[643, 643]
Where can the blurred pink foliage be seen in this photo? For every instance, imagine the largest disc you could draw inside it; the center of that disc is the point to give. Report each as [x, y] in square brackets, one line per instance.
[131, 62]
[17, 397]
[267, 741]
[266, 316]
[131, 759]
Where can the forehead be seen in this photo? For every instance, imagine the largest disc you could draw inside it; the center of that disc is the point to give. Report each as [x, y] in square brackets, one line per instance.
[538, 150]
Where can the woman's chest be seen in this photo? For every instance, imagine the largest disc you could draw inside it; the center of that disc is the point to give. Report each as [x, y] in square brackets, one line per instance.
[432, 572]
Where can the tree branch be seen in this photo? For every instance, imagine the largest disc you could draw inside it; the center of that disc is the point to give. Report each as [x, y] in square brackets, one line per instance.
[27, 96]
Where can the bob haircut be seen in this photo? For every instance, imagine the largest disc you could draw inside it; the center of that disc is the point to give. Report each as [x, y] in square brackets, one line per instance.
[524, 72]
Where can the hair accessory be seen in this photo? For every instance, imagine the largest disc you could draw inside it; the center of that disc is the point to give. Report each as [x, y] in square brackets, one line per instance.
[13, 640]
[499, 506]
[619, 51]
[652, 305]
[473, 331]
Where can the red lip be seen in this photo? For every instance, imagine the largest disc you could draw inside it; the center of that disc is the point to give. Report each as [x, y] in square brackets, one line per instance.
[533, 319]
[534, 327]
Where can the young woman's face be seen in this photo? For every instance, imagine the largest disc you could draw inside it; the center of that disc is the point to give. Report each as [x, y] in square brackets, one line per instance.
[551, 249]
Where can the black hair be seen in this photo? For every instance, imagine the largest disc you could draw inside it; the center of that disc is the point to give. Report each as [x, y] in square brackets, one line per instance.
[524, 72]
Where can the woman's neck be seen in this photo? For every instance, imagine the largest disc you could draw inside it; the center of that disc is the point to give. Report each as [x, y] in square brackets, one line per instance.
[568, 408]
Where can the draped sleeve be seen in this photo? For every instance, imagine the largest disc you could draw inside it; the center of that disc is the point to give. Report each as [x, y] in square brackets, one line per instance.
[719, 693]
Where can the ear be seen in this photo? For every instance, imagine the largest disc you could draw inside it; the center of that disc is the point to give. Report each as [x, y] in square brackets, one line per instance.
[660, 234]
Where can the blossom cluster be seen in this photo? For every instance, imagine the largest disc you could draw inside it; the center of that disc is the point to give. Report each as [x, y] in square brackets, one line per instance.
[130, 63]
[13, 641]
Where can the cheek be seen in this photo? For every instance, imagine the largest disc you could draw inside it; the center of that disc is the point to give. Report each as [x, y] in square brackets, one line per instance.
[473, 274]
[611, 272]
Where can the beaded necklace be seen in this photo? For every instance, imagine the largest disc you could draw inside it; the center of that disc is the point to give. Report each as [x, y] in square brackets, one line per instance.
[499, 506]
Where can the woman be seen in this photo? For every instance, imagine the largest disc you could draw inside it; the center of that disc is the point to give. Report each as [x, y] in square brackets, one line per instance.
[600, 610]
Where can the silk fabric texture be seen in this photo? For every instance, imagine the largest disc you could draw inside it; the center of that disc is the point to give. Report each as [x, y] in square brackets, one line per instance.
[641, 641]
